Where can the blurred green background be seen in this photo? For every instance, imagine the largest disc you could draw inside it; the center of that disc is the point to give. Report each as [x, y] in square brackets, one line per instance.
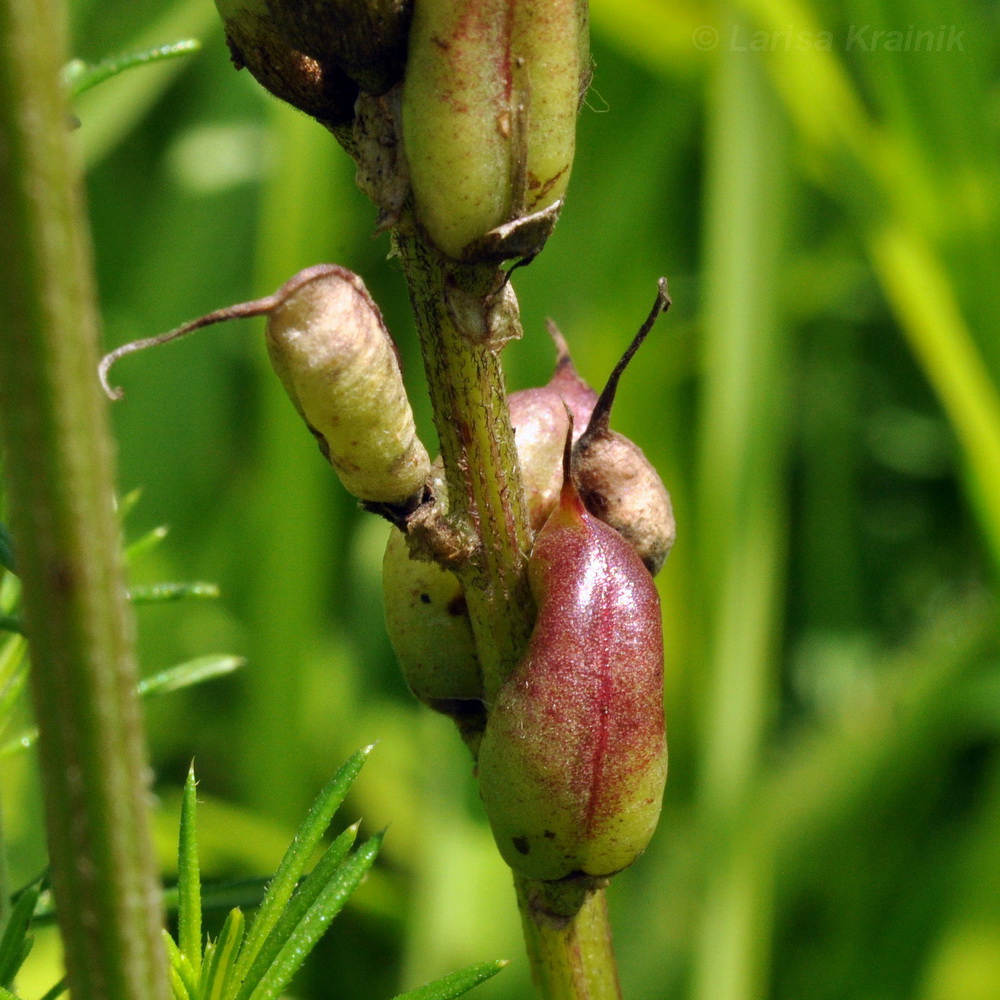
[822, 402]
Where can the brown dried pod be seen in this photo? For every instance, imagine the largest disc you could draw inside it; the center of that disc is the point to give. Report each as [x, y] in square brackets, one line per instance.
[365, 38]
[616, 480]
[320, 89]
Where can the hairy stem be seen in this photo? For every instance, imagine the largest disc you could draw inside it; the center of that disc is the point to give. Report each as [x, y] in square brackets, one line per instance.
[60, 472]
[572, 958]
[477, 445]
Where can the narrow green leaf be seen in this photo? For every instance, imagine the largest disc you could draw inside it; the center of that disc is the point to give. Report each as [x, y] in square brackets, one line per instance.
[7, 550]
[217, 973]
[297, 857]
[315, 922]
[7, 995]
[189, 879]
[205, 668]
[11, 657]
[148, 542]
[11, 623]
[207, 961]
[21, 742]
[297, 908]
[56, 991]
[11, 691]
[128, 502]
[456, 983]
[177, 985]
[79, 76]
[13, 948]
[162, 593]
[193, 672]
[184, 979]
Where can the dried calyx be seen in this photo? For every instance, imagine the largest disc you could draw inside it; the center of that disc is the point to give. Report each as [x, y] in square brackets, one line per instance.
[330, 348]
[615, 479]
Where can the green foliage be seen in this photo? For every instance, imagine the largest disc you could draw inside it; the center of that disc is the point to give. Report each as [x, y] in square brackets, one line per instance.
[15, 941]
[818, 405]
[258, 962]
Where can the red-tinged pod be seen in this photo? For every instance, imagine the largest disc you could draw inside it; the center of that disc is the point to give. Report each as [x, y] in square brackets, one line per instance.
[574, 757]
[540, 423]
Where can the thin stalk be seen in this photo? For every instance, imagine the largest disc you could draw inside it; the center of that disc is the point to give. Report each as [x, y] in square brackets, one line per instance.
[477, 445]
[571, 956]
[59, 467]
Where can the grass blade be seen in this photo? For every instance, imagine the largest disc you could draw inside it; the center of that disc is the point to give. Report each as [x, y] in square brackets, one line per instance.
[297, 857]
[189, 879]
[315, 922]
[456, 983]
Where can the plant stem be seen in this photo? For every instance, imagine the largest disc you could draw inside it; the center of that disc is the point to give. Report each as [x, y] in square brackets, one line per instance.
[485, 494]
[60, 470]
[571, 958]
[571, 955]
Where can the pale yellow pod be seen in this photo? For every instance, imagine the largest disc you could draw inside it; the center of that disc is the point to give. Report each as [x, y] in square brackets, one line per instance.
[457, 118]
[428, 625]
[330, 348]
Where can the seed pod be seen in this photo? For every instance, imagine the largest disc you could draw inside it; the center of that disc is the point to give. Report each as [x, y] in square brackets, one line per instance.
[617, 482]
[489, 113]
[328, 345]
[573, 760]
[538, 416]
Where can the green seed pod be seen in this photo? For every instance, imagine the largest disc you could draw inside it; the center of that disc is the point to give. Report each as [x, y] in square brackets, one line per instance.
[574, 759]
[489, 113]
[339, 366]
[617, 482]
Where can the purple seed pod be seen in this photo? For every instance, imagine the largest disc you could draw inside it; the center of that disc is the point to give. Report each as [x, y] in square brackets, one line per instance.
[574, 757]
